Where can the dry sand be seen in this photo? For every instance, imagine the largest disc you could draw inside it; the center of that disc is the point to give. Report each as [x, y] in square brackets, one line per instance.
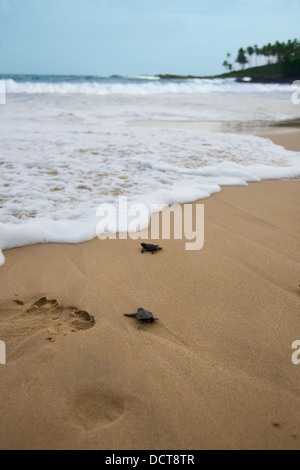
[214, 373]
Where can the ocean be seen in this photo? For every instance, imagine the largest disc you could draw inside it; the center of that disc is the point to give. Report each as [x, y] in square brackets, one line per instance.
[69, 144]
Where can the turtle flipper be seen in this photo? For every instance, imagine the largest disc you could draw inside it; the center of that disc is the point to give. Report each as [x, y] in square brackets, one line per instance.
[130, 314]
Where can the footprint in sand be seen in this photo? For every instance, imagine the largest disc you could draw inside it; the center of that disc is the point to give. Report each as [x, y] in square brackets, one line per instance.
[94, 408]
[25, 320]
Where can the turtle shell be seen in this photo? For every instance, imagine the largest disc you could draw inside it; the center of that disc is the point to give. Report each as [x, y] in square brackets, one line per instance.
[144, 315]
[149, 247]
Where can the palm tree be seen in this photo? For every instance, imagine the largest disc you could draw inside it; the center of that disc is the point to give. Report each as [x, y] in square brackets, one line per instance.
[297, 49]
[241, 58]
[280, 52]
[256, 52]
[269, 51]
[273, 52]
[227, 65]
[265, 51]
[250, 52]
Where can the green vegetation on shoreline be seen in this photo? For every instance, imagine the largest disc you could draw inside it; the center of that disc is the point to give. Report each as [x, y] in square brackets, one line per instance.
[285, 72]
[271, 73]
[286, 68]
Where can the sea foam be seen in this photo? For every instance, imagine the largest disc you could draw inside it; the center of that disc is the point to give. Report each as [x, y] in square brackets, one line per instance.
[56, 200]
[142, 86]
[62, 156]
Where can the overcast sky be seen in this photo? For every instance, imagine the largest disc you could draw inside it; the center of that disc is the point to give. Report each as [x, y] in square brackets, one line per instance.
[130, 37]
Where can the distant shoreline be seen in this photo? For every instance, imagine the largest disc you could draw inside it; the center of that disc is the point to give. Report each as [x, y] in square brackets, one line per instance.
[271, 73]
[237, 79]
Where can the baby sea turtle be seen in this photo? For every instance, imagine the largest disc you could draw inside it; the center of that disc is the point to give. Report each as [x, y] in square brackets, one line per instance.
[142, 315]
[151, 248]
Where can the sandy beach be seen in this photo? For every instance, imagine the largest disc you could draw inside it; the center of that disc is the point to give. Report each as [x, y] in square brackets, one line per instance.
[290, 140]
[215, 371]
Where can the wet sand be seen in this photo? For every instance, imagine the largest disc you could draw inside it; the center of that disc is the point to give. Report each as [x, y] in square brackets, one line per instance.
[215, 371]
